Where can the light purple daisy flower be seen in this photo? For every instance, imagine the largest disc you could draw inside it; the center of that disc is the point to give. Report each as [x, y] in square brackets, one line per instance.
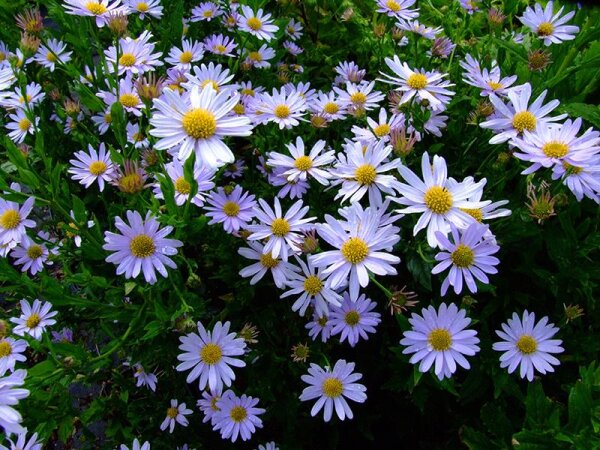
[31, 255]
[21, 125]
[136, 445]
[51, 53]
[551, 28]
[259, 24]
[440, 337]
[134, 56]
[280, 270]
[291, 188]
[206, 11]
[350, 72]
[63, 336]
[582, 180]
[145, 8]
[203, 176]
[23, 444]
[209, 355]
[141, 247]
[208, 404]
[359, 97]
[237, 416]
[332, 387]
[234, 210]
[11, 351]
[528, 345]
[319, 325]
[469, 256]
[92, 166]
[353, 320]
[100, 9]
[10, 394]
[34, 318]
[489, 81]
[14, 221]
[282, 107]
[175, 413]
[220, 44]
[398, 9]
[235, 170]
[144, 378]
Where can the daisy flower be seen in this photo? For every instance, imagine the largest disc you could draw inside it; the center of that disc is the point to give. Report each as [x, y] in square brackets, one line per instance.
[441, 48]
[440, 337]
[259, 24]
[425, 86]
[14, 221]
[380, 130]
[293, 29]
[438, 201]
[236, 169]
[234, 209]
[582, 180]
[320, 325]
[135, 55]
[361, 170]
[491, 211]
[10, 352]
[280, 270]
[208, 404]
[220, 44]
[291, 188]
[210, 355]
[398, 9]
[203, 176]
[359, 96]
[34, 319]
[128, 96]
[313, 289]
[268, 446]
[299, 165]
[92, 166]
[175, 413]
[20, 126]
[550, 28]
[198, 121]
[282, 107]
[552, 145]
[237, 416]
[31, 255]
[358, 249]
[23, 444]
[136, 445]
[141, 247]
[328, 105]
[292, 48]
[33, 96]
[54, 52]
[135, 136]
[212, 75]
[143, 378]
[354, 319]
[10, 394]
[102, 121]
[332, 387]
[100, 9]
[260, 58]
[206, 11]
[489, 81]
[145, 8]
[528, 344]
[63, 336]
[470, 5]
[350, 72]
[182, 58]
[281, 230]
[418, 28]
[469, 256]
[511, 120]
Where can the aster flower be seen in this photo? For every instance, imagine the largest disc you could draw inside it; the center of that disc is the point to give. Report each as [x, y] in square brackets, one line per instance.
[291, 188]
[175, 413]
[236, 169]
[398, 9]
[281, 230]
[237, 416]
[550, 28]
[361, 170]
[54, 52]
[293, 29]
[34, 319]
[425, 86]
[418, 28]
[328, 105]
[281, 107]
[135, 55]
[63, 336]
[358, 249]
[145, 8]
[234, 210]
[469, 256]
[220, 44]
[319, 325]
[440, 337]
[210, 355]
[206, 11]
[92, 166]
[33, 256]
[128, 96]
[470, 5]
[208, 404]
[17, 99]
[352, 320]
[280, 270]
[21, 125]
[489, 81]
[100, 9]
[582, 180]
[528, 344]
[22, 443]
[441, 48]
[203, 176]
[359, 96]
[293, 48]
[102, 121]
[379, 130]
[511, 120]
[135, 136]
[350, 72]
[136, 445]
[212, 75]
[198, 121]
[141, 247]
[438, 201]
[182, 58]
[299, 165]
[259, 24]
[260, 58]
[10, 394]
[10, 352]
[14, 221]
[268, 446]
[143, 378]
[332, 387]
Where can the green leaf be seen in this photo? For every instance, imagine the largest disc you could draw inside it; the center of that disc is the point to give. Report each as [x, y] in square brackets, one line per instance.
[580, 406]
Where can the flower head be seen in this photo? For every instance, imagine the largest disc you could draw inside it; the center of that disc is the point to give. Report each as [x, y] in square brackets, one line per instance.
[352, 320]
[92, 166]
[175, 413]
[551, 28]
[237, 416]
[34, 318]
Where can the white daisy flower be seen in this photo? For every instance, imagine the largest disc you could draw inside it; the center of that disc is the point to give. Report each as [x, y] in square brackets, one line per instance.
[100, 9]
[145, 8]
[14, 221]
[359, 96]
[54, 52]
[11, 351]
[550, 28]
[182, 58]
[259, 24]
[212, 75]
[31, 255]
[10, 394]
[328, 105]
[175, 413]
[34, 319]
[418, 28]
[489, 81]
[280, 270]
[21, 126]
[281, 107]
[206, 11]
[203, 176]
[260, 58]
[299, 166]
[23, 444]
[380, 130]
[92, 166]
[135, 55]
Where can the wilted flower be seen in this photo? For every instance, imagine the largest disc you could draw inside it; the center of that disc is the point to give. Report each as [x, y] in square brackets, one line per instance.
[401, 300]
[300, 353]
[249, 333]
[572, 312]
[30, 21]
[538, 60]
[130, 180]
[541, 202]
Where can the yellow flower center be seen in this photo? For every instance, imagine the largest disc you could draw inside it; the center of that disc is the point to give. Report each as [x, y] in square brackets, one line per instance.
[10, 219]
[182, 186]
[97, 168]
[35, 251]
[211, 354]
[231, 209]
[555, 149]
[212, 83]
[322, 321]
[352, 318]
[95, 8]
[254, 23]
[131, 183]
[129, 100]
[382, 130]
[172, 412]
[524, 120]
[572, 169]
[208, 13]
[331, 108]
[393, 5]
[127, 59]
[185, 57]
[282, 111]
[475, 213]
[280, 227]
[527, 344]
[355, 250]
[462, 256]
[33, 320]
[303, 163]
[358, 98]
[239, 109]
[268, 261]
[238, 414]
[213, 403]
[439, 339]
[199, 123]
[417, 81]
[249, 92]
[25, 99]
[2, 56]
[313, 285]
[108, 118]
[142, 7]
[255, 56]
[24, 124]
[495, 85]
[219, 48]
[5, 349]
[545, 29]
[332, 387]
[365, 174]
[142, 246]
[438, 199]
